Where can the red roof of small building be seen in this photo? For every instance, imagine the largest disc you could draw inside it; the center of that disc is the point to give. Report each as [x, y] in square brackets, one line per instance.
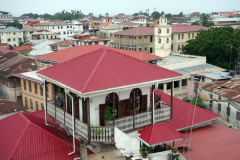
[4, 50]
[20, 48]
[187, 28]
[26, 137]
[103, 69]
[137, 31]
[159, 133]
[180, 112]
[73, 52]
[214, 142]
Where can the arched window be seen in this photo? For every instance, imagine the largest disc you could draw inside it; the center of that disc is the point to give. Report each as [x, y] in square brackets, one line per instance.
[159, 30]
[167, 40]
[30, 86]
[167, 30]
[109, 102]
[26, 102]
[31, 104]
[36, 91]
[42, 107]
[41, 90]
[37, 106]
[137, 100]
[159, 40]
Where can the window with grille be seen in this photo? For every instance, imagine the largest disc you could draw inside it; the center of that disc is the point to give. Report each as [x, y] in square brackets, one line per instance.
[37, 106]
[41, 90]
[210, 105]
[26, 102]
[31, 104]
[47, 93]
[228, 111]
[219, 97]
[211, 96]
[42, 107]
[238, 115]
[219, 107]
[36, 91]
[30, 87]
[25, 85]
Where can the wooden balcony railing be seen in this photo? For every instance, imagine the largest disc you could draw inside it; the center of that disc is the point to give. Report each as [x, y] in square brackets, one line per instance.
[142, 119]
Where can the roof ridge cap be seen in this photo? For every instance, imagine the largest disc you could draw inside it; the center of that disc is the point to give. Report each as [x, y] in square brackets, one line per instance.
[21, 137]
[95, 69]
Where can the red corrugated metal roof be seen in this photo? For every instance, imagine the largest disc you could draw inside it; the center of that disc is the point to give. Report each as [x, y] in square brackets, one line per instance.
[5, 50]
[159, 133]
[180, 112]
[25, 136]
[187, 28]
[73, 52]
[137, 31]
[215, 142]
[103, 69]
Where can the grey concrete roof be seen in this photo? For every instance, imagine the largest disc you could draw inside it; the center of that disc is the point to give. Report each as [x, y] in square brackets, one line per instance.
[215, 75]
[10, 29]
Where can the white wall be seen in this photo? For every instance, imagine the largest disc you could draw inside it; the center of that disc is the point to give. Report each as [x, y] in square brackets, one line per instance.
[14, 37]
[96, 101]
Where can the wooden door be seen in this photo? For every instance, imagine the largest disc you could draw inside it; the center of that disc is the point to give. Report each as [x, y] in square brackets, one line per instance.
[84, 108]
[102, 108]
[144, 103]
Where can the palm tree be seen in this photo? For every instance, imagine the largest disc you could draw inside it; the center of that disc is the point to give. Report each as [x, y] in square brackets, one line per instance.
[204, 19]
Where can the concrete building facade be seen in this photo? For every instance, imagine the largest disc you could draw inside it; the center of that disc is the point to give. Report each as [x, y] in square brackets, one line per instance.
[11, 35]
[5, 16]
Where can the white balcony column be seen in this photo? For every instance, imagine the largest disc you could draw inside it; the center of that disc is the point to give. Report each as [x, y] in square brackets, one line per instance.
[80, 110]
[165, 87]
[180, 86]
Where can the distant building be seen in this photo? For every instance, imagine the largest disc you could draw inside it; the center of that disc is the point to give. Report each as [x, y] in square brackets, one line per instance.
[11, 35]
[90, 40]
[11, 63]
[8, 108]
[5, 16]
[61, 45]
[27, 33]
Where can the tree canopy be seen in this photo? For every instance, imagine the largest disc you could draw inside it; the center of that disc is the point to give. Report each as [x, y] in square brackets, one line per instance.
[14, 24]
[64, 15]
[215, 44]
[155, 15]
[195, 23]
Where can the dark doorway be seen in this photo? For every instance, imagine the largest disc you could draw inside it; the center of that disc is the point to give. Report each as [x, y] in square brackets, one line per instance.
[84, 109]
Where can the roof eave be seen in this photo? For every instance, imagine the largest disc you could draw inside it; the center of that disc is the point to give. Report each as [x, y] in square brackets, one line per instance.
[110, 90]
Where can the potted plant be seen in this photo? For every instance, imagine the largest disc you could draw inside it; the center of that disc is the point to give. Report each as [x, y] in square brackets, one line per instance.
[108, 115]
[174, 149]
[144, 150]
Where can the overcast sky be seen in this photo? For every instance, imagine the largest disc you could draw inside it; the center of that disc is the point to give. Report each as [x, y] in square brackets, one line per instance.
[113, 7]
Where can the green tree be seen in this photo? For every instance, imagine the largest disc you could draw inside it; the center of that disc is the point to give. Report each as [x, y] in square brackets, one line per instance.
[155, 15]
[20, 43]
[107, 14]
[215, 44]
[209, 24]
[140, 24]
[147, 25]
[15, 23]
[169, 15]
[162, 13]
[90, 14]
[195, 23]
[180, 14]
[198, 102]
[204, 19]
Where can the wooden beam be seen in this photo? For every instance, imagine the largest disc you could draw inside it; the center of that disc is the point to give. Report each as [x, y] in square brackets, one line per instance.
[171, 98]
[73, 111]
[88, 120]
[153, 99]
[113, 108]
[134, 99]
[45, 99]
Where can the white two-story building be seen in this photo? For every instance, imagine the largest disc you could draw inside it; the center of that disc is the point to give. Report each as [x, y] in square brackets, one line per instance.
[11, 35]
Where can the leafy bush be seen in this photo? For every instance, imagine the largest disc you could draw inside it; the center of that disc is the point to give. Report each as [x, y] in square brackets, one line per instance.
[144, 150]
[199, 102]
[108, 115]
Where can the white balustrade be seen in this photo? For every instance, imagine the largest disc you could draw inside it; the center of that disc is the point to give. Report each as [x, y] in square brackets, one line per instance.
[162, 114]
[143, 119]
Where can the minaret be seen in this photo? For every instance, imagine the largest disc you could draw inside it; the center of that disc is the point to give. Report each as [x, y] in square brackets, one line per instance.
[162, 34]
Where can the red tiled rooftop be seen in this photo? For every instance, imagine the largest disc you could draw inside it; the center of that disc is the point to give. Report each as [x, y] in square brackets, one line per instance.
[128, 23]
[105, 69]
[4, 50]
[73, 52]
[20, 48]
[214, 142]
